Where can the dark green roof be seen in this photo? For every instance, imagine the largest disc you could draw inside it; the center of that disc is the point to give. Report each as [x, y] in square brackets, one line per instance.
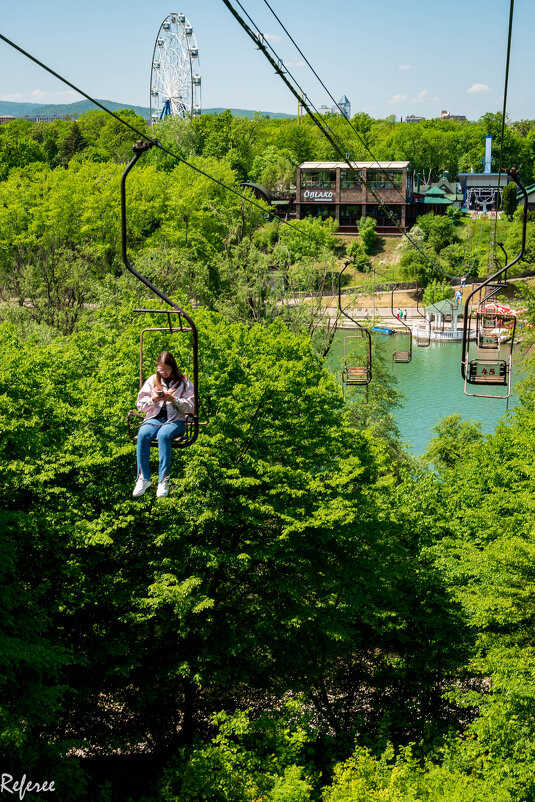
[436, 199]
[529, 190]
[434, 190]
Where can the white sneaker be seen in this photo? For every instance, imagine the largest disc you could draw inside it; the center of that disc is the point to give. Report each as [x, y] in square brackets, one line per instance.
[141, 486]
[163, 488]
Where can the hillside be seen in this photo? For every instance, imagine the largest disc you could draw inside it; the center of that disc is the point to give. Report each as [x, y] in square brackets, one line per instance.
[75, 109]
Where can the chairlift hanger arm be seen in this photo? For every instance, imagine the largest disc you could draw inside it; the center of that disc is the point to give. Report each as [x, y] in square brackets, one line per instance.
[139, 149]
[417, 301]
[505, 255]
[513, 173]
[340, 297]
[392, 310]
[364, 329]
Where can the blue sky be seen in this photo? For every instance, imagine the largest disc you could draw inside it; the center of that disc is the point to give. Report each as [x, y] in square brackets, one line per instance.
[388, 57]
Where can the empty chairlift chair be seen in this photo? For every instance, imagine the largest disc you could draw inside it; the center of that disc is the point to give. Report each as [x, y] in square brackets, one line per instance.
[423, 339]
[486, 336]
[493, 329]
[488, 373]
[402, 346]
[357, 368]
[485, 372]
[402, 338]
[357, 360]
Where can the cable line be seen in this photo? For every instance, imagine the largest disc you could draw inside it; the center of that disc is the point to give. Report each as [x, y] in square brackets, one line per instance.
[281, 70]
[355, 130]
[144, 136]
[506, 84]
[348, 121]
[302, 93]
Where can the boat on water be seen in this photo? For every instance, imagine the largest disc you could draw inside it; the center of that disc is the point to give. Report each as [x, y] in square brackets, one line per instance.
[382, 330]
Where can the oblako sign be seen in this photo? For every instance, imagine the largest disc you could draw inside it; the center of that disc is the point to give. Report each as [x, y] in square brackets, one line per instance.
[318, 195]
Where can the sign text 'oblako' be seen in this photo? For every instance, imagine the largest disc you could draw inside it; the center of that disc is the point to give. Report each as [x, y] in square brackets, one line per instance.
[318, 194]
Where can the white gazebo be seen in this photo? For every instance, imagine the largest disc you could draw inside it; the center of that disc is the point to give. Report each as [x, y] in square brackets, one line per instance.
[441, 322]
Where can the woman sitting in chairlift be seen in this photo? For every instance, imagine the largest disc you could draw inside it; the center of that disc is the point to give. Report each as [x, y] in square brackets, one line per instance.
[167, 399]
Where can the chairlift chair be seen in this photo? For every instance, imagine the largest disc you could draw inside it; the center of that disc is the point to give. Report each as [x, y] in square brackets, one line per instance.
[488, 373]
[352, 373]
[402, 346]
[484, 371]
[176, 325]
[423, 339]
[486, 337]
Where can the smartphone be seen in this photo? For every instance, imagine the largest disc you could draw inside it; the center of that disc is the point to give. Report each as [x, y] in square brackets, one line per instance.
[160, 392]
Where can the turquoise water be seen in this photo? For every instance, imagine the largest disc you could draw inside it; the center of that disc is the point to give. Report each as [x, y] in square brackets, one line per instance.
[433, 388]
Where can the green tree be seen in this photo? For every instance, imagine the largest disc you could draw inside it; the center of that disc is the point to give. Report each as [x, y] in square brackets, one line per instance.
[274, 169]
[73, 143]
[437, 291]
[359, 256]
[249, 757]
[309, 238]
[417, 266]
[368, 234]
[106, 135]
[237, 585]
[439, 230]
[17, 151]
[508, 199]
[453, 437]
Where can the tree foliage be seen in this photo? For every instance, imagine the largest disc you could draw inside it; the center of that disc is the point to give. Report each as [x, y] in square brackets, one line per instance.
[508, 199]
[238, 584]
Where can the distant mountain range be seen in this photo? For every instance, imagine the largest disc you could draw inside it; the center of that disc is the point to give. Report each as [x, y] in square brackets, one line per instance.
[75, 109]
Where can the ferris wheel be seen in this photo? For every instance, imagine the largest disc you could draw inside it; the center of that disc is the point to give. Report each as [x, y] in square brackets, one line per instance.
[175, 81]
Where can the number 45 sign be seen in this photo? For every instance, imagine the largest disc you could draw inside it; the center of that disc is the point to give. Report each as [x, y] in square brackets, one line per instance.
[490, 370]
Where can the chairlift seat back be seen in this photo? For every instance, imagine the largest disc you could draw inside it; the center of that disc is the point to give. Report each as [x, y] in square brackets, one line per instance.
[487, 371]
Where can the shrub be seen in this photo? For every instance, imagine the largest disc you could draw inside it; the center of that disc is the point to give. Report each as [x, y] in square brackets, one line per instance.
[358, 255]
[368, 235]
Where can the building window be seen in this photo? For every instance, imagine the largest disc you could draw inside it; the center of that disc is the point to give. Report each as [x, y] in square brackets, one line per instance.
[384, 179]
[323, 212]
[379, 213]
[321, 179]
[350, 214]
[348, 179]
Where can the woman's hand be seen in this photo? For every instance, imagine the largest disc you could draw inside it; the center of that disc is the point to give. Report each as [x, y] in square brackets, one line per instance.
[167, 397]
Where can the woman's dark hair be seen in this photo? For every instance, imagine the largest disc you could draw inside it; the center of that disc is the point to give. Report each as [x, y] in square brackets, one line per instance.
[177, 377]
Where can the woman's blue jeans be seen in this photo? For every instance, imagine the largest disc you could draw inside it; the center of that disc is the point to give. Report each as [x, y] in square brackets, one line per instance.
[164, 433]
